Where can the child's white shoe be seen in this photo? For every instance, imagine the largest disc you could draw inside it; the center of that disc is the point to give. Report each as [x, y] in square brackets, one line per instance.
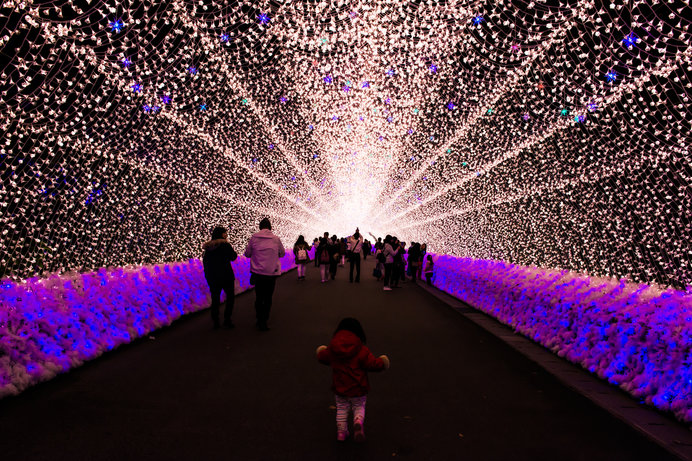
[341, 436]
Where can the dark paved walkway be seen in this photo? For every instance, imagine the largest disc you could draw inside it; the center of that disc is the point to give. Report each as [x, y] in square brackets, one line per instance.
[454, 391]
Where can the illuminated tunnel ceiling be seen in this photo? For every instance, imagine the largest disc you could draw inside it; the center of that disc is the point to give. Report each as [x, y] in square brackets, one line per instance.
[554, 134]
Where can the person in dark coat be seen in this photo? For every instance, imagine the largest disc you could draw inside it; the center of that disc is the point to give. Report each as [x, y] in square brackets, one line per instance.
[300, 251]
[323, 255]
[315, 244]
[414, 256]
[333, 257]
[343, 246]
[422, 259]
[367, 249]
[218, 254]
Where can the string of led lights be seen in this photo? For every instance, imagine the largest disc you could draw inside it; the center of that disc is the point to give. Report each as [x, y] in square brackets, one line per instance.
[528, 132]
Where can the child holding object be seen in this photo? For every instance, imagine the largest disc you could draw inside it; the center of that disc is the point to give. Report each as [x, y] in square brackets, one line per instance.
[350, 360]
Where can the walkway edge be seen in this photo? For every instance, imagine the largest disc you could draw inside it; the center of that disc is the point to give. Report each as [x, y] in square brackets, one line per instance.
[666, 432]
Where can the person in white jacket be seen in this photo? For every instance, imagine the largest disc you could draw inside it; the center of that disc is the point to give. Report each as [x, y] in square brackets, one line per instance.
[355, 247]
[264, 250]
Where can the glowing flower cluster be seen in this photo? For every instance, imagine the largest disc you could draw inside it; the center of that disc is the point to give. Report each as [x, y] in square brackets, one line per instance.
[636, 336]
[53, 324]
[544, 134]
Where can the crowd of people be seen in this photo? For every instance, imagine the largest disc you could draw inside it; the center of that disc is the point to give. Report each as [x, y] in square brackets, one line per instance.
[395, 263]
[346, 354]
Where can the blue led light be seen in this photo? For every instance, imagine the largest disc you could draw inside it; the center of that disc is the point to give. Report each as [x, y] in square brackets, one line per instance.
[630, 40]
[263, 18]
[116, 26]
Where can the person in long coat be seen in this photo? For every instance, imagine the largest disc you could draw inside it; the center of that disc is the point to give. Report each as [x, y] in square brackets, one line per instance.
[218, 271]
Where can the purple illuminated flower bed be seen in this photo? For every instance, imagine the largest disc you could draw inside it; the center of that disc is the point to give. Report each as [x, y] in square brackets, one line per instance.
[50, 325]
[636, 336]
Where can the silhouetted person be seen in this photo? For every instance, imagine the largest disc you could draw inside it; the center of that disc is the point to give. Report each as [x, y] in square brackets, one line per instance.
[264, 250]
[414, 260]
[355, 248]
[390, 250]
[323, 254]
[334, 255]
[300, 251]
[315, 244]
[429, 270]
[218, 254]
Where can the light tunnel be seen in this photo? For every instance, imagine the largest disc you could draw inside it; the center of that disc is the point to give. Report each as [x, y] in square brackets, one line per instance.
[522, 141]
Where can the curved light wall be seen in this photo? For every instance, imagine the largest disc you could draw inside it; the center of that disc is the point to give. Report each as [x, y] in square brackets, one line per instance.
[546, 133]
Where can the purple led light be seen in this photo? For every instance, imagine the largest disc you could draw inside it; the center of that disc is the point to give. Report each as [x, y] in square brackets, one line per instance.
[633, 335]
[53, 324]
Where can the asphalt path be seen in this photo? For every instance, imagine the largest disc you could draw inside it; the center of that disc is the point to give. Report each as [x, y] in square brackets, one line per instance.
[454, 391]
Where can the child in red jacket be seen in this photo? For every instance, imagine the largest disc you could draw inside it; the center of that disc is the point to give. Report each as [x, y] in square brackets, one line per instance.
[350, 360]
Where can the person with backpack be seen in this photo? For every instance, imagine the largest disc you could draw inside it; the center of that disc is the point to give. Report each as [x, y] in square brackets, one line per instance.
[324, 257]
[300, 251]
[315, 244]
[378, 271]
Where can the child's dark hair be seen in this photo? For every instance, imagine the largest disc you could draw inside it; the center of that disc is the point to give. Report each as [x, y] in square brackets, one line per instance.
[352, 325]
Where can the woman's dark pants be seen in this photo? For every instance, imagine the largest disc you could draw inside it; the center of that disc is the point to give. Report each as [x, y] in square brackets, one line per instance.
[228, 286]
[387, 273]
